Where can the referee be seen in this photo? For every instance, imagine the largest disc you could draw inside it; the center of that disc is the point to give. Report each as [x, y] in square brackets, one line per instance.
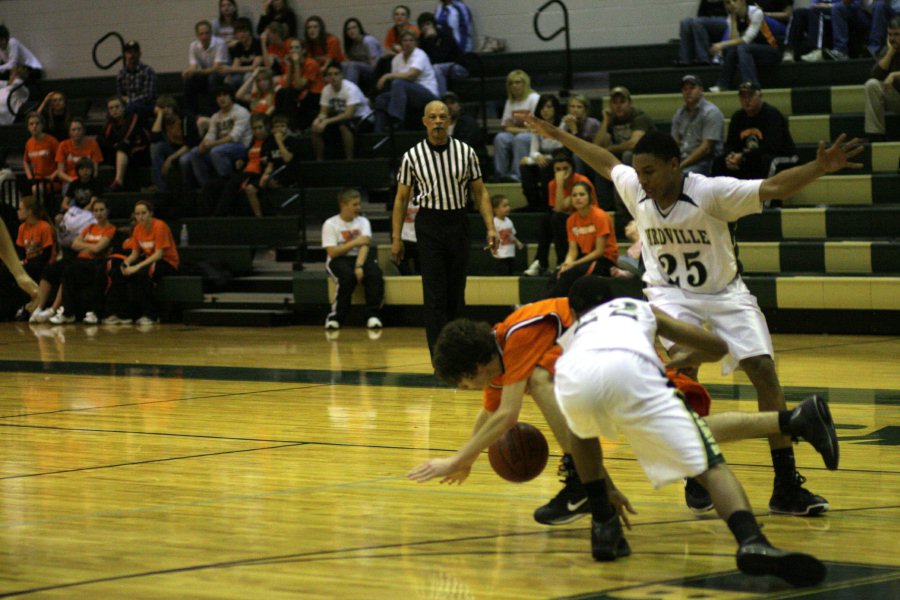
[443, 172]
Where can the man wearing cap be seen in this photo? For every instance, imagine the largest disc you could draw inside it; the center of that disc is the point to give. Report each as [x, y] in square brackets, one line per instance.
[759, 139]
[623, 125]
[698, 127]
[136, 82]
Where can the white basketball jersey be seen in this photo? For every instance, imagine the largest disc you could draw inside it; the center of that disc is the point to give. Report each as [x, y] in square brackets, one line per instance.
[620, 324]
[690, 246]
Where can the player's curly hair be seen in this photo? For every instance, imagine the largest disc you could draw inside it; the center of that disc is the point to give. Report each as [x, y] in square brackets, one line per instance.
[461, 347]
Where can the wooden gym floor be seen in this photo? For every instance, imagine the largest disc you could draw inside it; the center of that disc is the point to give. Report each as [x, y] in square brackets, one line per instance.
[179, 462]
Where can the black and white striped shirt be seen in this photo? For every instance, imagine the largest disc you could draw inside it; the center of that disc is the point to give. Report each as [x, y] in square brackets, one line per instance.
[440, 175]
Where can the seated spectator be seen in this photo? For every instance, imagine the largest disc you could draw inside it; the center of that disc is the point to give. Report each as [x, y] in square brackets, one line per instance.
[343, 107]
[123, 140]
[206, 56]
[277, 11]
[136, 83]
[276, 46]
[806, 31]
[536, 169]
[883, 89]
[39, 159]
[347, 239]
[34, 246]
[847, 16]
[409, 86]
[457, 17]
[505, 263]
[759, 139]
[69, 151]
[13, 95]
[224, 26]
[883, 11]
[13, 53]
[258, 92]
[558, 208]
[300, 91]
[362, 52]
[85, 190]
[153, 256]
[462, 126]
[580, 124]
[84, 277]
[592, 244]
[623, 125]
[698, 127]
[513, 143]
[696, 33]
[393, 42]
[442, 50]
[220, 201]
[245, 52]
[777, 14]
[224, 144]
[172, 136]
[281, 156]
[322, 46]
[749, 43]
[55, 111]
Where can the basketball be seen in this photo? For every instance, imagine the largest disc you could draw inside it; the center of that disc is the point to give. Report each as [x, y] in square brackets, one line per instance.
[520, 455]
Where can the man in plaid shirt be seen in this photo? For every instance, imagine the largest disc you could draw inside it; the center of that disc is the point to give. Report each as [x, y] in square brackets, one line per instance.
[136, 82]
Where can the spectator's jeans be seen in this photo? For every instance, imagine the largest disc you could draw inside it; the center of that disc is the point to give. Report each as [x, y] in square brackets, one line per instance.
[403, 97]
[805, 30]
[159, 152]
[744, 59]
[879, 100]
[509, 150]
[882, 12]
[843, 17]
[695, 34]
[360, 73]
[451, 71]
[221, 159]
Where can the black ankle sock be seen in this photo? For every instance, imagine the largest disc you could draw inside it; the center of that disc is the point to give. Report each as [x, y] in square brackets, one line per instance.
[783, 462]
[744, 527]
[598, 500]
[784, 421]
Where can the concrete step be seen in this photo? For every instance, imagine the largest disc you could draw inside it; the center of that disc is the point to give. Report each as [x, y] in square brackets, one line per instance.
[238, 317]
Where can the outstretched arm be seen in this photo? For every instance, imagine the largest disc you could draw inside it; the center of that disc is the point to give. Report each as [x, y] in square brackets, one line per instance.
[11, 260]
[828, 160]
[600, 159]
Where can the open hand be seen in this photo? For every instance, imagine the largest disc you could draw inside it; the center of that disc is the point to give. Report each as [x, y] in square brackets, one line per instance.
[838, 155]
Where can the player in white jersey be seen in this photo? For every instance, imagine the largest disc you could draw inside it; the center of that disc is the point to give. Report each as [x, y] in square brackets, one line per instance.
[692, 266]
[610, 379]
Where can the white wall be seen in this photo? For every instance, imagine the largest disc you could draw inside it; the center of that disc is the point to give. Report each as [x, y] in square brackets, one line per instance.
[62, 32]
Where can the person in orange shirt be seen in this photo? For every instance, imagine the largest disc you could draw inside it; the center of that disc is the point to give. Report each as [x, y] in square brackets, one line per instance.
[276, 45]
[247, 180]
[401, 23]
[75, 147]
[15, 269]
[34, 249]
[153, 256]
[39, 159]
[322, 46]
[300, 87]
[593, 249]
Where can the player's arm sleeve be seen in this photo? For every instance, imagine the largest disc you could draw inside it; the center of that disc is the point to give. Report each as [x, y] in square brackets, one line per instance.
[626, 181]
[734, 198]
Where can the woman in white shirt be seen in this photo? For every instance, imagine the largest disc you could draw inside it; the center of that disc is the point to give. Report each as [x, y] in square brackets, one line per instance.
[514, 143]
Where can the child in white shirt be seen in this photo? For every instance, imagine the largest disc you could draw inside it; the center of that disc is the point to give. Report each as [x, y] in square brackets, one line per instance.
[506, 254]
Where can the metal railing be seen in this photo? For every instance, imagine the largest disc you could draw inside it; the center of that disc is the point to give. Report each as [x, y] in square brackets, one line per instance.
[567, 75]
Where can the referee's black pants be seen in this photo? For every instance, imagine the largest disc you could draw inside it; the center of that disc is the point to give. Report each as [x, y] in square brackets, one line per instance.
[442, 237]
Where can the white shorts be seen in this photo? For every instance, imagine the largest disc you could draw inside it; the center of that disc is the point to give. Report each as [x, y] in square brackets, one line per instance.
[733, 314]
[605, 391]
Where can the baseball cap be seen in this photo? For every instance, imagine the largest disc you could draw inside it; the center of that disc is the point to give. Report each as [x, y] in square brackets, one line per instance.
[692, 79]
[620, 90]
[131, 45]
[748, 86]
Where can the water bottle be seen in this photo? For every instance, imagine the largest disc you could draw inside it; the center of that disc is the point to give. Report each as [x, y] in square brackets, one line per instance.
[183, 237]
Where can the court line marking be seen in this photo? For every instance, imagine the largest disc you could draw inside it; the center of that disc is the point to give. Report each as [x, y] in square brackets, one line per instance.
[323, 555]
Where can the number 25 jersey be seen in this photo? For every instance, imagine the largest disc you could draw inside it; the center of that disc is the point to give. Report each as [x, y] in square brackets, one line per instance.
[690, 246]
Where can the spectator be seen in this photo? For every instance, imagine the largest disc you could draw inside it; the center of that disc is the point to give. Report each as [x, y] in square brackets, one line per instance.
[536, 169]
[301, 87]
[408, 88]
[35, 242]
[39, 159]
[222, 201]
[153, 256]
[506, 254]
[462, 126]
[695, 33]
[362, 52]
[225, 25]
[392, 40]
[442, 50]
[55, 111]
[343, 106]
[558, 208]
[748, 44]
[778, 14]
[258, 92]
[883, 89]
[225, 143]
[759, 139]
[882, 13]
[246, 54]
[122, 140]
[84, 278]
[171, 137]
[806, 31]
[13, 95]
[457, 17]
[13, 53]
[698, 127]
[136, 83]
[281, 156]
[347, 238]
[278, 11]
[592, 243]
[623, 125]
[85, 190]
[846, 16]
[322, 46]
[578, 123]
[206, 56]
[77, 146]
[276, 46]
[513, 143]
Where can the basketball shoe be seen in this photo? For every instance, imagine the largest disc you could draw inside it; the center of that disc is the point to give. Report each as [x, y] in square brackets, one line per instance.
[789, 497]
[696, 497]
[570, 504]
[811, 420]
[608, 540]
[759, 557]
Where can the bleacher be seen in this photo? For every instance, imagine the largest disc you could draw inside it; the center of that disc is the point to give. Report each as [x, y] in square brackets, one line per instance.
[828, 261]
